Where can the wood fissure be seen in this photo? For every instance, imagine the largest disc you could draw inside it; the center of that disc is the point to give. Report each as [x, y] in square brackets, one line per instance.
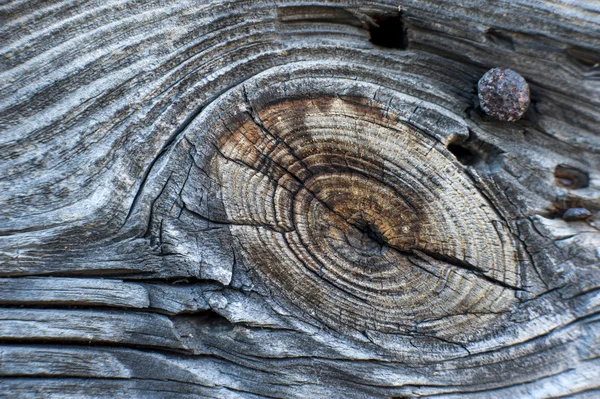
[297, 200]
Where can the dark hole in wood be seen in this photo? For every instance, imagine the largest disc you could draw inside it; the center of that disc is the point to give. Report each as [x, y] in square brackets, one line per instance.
[552, 213]
[500, 38]
[197, 323]
[588, 61]
[372, 232]
[390, 32]
[463, 154]
[571, 177]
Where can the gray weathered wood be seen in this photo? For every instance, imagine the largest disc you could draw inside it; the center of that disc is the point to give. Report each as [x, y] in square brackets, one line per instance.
[252, 199]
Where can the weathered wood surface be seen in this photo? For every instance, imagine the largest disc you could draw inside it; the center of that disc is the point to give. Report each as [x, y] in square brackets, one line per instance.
[248, 199]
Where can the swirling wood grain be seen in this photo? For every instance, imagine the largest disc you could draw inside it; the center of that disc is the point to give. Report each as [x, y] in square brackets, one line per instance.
[297, 199]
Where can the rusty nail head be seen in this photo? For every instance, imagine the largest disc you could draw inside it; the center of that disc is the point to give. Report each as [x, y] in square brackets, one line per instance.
[503, 94]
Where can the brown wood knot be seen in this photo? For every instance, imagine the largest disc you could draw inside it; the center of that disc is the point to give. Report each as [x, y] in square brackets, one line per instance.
[356, 218]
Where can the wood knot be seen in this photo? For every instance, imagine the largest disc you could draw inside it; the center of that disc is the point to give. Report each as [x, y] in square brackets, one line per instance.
[353, 216]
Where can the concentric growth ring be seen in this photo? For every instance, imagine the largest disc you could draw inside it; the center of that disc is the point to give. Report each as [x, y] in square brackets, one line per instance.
[355, 216]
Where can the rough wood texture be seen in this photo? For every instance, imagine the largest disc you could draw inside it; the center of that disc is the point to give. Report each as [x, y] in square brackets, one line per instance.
[247, 199]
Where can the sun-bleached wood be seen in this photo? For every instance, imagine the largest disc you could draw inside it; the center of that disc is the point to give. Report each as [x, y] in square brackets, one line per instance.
[246, 199]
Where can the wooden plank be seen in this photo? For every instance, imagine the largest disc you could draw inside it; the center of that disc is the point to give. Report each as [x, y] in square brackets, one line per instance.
[58, 291]
[165, 230]
[204, 376]
[72, 291]
[123, 328]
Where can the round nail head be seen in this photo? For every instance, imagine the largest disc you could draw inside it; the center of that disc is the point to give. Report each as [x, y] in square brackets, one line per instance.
[576, 214]
[503, 94]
